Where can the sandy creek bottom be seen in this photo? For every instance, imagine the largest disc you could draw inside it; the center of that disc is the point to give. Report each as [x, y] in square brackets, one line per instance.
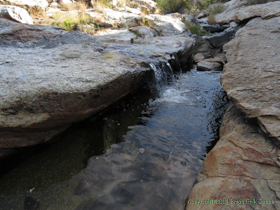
[143, 153]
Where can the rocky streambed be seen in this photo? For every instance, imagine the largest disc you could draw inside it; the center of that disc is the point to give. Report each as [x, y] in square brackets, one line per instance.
[51, 78]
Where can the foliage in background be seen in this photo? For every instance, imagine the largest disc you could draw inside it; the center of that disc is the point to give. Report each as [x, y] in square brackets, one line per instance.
[204, 4]
[195, 29]
[171, 6]
[70, 21]
[216, 8]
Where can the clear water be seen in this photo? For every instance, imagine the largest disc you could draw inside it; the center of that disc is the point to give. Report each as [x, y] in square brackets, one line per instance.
[143, 153]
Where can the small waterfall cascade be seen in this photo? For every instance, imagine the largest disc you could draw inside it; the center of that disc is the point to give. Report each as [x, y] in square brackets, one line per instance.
[157, 71]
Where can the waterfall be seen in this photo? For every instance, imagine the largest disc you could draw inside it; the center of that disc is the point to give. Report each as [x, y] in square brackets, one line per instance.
[158, 73]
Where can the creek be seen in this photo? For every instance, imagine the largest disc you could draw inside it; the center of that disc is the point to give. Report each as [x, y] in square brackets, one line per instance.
[143, 152]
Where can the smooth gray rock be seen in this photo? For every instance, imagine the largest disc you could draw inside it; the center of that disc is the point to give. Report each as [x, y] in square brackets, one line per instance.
[51, 78]
[170, 24]
[122, 35]
[219, 39]
[233, 24]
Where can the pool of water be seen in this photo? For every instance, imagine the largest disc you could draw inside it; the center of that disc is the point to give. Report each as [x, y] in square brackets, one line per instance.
[144, 152]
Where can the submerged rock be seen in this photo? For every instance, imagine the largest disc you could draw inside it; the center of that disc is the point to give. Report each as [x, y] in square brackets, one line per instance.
[51, 78]
[251, 76]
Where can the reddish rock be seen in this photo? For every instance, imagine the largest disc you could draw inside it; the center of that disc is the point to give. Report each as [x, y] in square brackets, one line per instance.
[242, 167]
[251, 76]
[198, 57]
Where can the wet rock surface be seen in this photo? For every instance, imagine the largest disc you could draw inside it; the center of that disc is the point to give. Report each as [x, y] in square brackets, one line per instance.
[251, 76]
[242, 167]
[62, 77]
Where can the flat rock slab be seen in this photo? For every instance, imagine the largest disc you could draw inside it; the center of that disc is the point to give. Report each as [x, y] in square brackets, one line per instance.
[50, 78]
[243, 168]
[251, 76]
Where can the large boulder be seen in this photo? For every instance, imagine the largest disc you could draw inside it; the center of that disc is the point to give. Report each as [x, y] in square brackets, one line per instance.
[51, 78]
[268, 10]
[169, 24]
[28, 4]
[241, 171]
[15, 13]
[235, 4]
[251, 76]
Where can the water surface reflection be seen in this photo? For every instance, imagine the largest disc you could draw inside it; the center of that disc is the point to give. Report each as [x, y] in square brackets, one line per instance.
[144, 153]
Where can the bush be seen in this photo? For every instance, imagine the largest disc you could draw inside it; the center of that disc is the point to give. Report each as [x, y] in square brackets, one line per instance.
[171, 6]
[196, 29]
[211, 19]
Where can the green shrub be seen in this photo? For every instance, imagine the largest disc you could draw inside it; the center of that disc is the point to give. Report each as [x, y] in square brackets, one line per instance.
[196, 29]
[171, 6]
